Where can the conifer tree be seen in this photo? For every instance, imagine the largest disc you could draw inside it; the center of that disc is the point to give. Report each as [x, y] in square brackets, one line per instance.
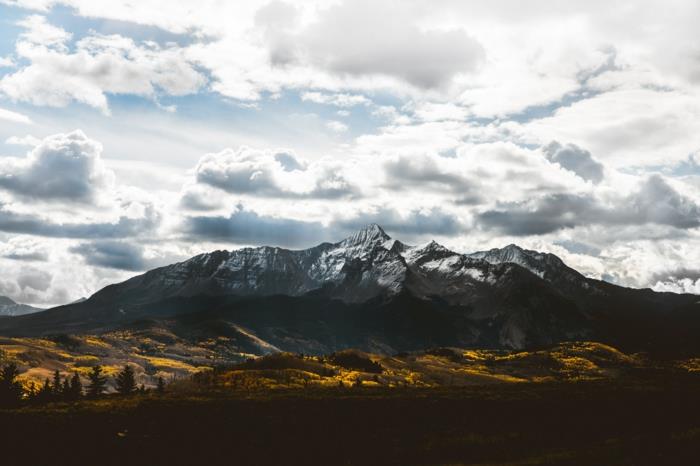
[65, 389]
[45, 393]
[160, 387]
[57, 387]
[126, 382]
[97, 382]
[76, 387]
[10, 389]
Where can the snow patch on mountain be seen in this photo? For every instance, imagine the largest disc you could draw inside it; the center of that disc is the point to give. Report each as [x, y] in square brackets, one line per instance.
[363, 265]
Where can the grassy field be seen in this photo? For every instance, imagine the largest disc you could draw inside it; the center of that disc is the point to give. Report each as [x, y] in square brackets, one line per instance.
[650, 419]
[161, 354]
[574, 404]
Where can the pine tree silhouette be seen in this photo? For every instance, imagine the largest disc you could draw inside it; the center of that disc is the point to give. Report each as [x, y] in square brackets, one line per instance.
[76, 387]
[45, 393]
[10, 389]
[97, 382]
[160, 387]
[56, 386]
[126, 382]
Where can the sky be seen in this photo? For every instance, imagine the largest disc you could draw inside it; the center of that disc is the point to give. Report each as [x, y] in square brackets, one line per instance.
[137, 134]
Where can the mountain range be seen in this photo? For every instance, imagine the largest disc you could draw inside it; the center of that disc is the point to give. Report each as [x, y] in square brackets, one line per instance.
[9, 308]
[372, 292]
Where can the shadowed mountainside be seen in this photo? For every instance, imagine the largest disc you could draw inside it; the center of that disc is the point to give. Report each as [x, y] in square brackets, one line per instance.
[377, 294]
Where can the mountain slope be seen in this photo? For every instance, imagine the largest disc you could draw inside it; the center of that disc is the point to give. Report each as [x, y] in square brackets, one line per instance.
[376, 293]
[10, 308]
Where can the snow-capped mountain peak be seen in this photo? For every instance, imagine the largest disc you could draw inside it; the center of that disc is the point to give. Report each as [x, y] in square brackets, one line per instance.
[366, 264]
[384, 292]
[545, 265]
[368, 236]
[434, 246]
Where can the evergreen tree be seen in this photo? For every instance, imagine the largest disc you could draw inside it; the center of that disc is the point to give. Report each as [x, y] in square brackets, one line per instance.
[97, 382]
[10, 389]
[76, 387]
[45, 393]
[31, 391]
[126, 382]
[65, 389]
[56, 386]
[160, 388]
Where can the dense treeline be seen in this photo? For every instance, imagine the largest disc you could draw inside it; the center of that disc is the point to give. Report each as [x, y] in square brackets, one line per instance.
[68, 389]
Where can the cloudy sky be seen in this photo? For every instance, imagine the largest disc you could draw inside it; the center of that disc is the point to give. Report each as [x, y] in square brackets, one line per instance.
[135, 134]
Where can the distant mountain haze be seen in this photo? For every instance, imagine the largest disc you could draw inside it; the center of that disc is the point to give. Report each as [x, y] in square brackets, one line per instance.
[10, 308]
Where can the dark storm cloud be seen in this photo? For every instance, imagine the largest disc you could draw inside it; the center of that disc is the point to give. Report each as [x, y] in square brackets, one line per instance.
[658, 202]
[35, 279]
[112, 254]
[248, 227]
[550, 213]
[407, 173]
[575, 159]
[27, 256]
[196, 200]
[12, 222]
[237, 176]
[655, 202]
[63, 167]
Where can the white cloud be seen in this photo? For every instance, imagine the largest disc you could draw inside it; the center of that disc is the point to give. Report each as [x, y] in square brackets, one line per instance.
[339, 100]
[337, 126]
[61, 167]
[431, 60]
[626, 127]
[100, 64]
[14, 117]
[277, 173]
[454, 103]
[39, 5]
[39, 32]
[431, 111]
[27, 140]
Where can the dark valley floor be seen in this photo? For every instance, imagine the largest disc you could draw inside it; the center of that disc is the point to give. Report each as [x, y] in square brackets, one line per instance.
[648, 419]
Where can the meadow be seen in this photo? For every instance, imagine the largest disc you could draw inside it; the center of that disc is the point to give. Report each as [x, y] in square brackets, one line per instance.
[574, 404]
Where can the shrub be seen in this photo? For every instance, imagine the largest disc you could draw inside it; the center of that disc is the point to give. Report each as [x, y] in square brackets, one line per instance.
[356, 361]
